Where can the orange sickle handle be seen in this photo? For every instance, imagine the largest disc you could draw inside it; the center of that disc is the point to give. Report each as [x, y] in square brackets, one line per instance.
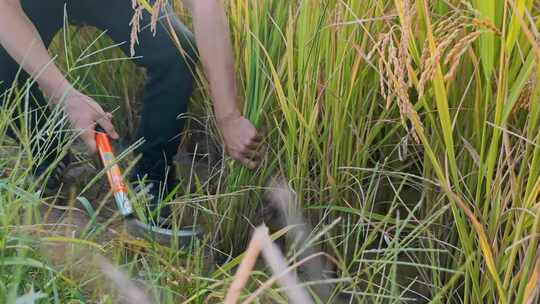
[114, 174]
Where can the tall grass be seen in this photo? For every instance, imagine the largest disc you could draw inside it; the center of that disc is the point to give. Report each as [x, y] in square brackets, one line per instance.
[408, 131]
[462, 78]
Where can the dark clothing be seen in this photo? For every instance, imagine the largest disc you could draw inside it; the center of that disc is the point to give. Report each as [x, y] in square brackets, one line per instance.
[169, 84]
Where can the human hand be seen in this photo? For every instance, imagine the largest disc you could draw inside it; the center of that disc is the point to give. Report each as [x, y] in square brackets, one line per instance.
[83, 114]
[242, 140]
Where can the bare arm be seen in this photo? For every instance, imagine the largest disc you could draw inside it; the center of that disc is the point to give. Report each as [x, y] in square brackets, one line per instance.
[214, 44]
[26, 47]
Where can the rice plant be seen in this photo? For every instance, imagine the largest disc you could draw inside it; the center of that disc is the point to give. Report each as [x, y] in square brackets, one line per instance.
[406, 132]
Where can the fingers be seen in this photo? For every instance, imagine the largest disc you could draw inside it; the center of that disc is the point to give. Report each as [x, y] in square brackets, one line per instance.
[243, 142]
[251, 155]
[252, 165]
[254, 154]
[107, 125]
[88, 134]
[84, 113]
[246, 161]
[251, 146]
[258, 138]
[254, 141]
[250, 158]
[89, 140]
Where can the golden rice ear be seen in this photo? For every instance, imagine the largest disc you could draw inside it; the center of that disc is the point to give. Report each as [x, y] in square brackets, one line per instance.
[397, 72]
[135, 25]
[156, 12]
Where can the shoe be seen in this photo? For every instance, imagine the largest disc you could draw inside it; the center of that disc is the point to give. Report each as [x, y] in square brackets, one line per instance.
[51, 177]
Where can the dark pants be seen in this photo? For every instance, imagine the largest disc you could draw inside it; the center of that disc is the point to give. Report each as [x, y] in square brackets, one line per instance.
[169, 84]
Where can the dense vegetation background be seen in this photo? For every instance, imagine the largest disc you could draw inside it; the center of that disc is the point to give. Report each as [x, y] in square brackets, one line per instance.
[406, 130]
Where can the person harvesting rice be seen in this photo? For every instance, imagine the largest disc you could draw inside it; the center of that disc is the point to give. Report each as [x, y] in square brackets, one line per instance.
[27, 27]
